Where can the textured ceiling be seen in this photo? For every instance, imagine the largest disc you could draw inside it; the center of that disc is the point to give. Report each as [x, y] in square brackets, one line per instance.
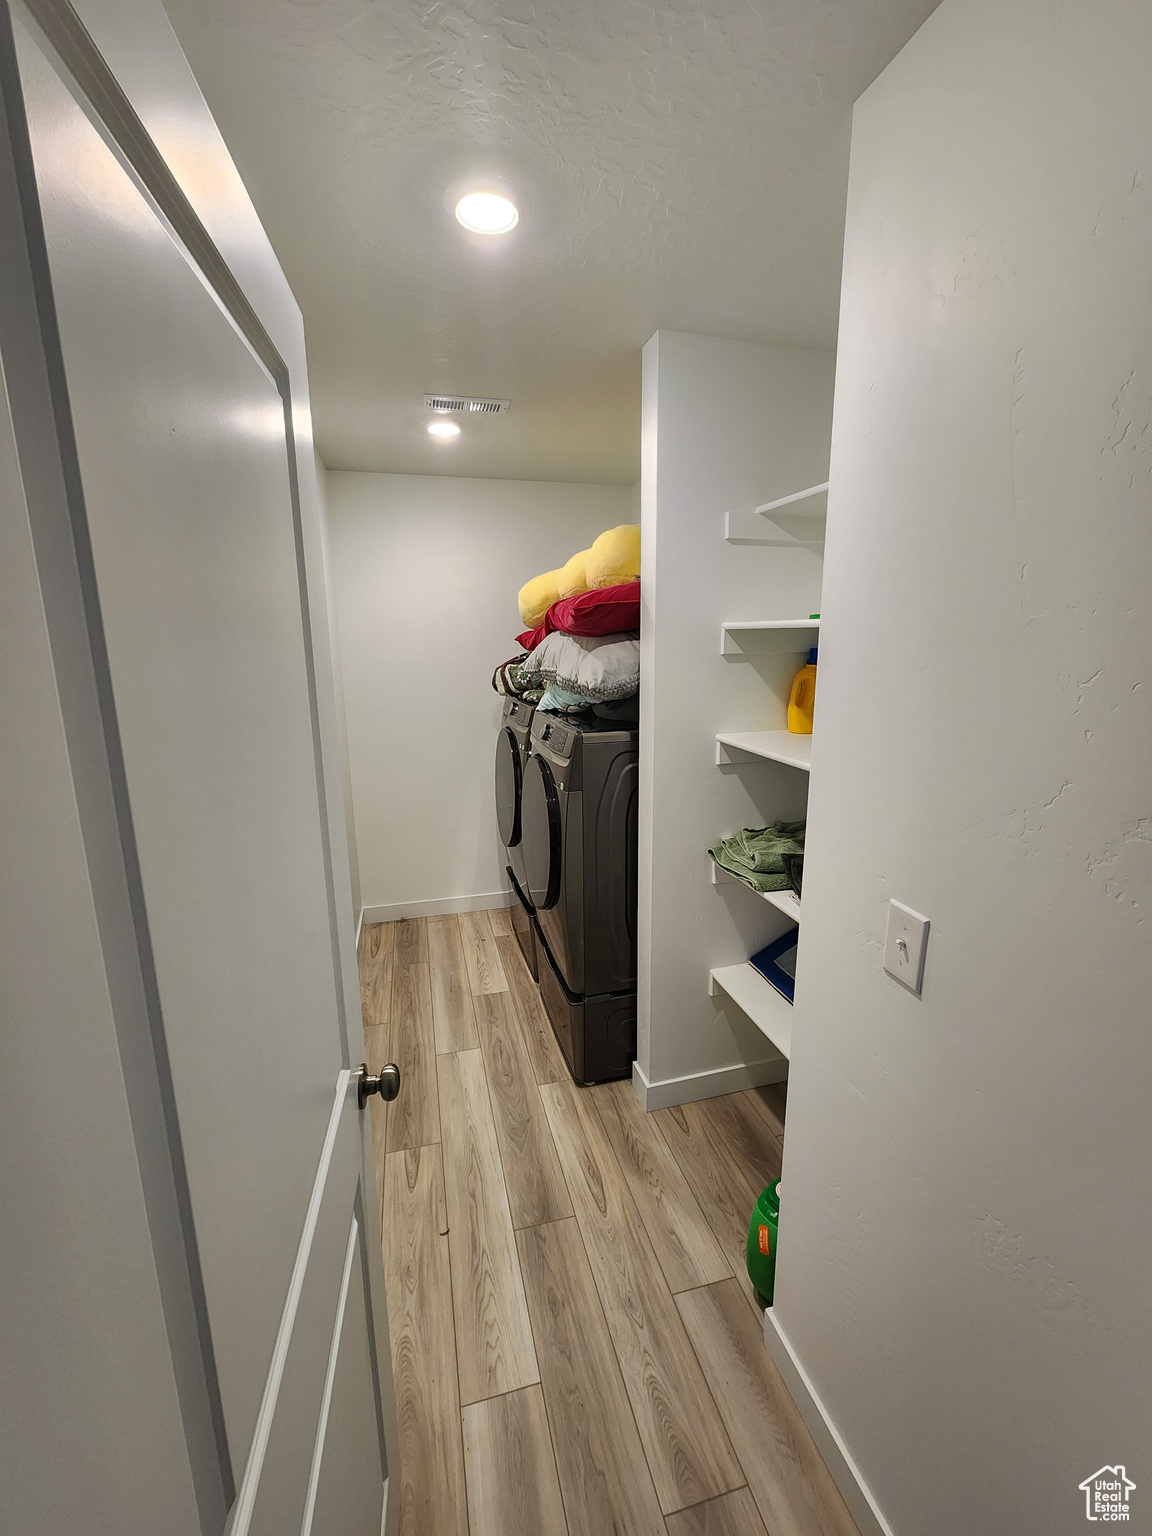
[683, 166]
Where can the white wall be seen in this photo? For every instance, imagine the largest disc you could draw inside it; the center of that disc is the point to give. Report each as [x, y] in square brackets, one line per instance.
[427, 569]
[964, 1246]
[727, 425]
[338, 686]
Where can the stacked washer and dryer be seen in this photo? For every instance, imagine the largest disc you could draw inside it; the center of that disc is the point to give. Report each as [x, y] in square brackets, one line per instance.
[566, 805]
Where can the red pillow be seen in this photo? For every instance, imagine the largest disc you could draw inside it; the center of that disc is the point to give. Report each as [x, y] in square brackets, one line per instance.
[531, 638]
[606, 611]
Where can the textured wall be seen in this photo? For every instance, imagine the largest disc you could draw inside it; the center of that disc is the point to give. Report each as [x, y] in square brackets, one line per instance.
[964, 1243]
[427, 570]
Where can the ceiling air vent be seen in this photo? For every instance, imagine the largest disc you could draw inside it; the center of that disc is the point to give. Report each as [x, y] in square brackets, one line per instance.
[473, 404]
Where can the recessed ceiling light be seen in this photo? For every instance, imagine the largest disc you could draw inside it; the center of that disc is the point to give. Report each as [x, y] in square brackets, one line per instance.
[446, 430]
[487, 213]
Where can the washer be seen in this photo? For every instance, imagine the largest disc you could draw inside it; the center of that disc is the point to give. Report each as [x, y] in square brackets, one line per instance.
[578, 834]
[512, 748]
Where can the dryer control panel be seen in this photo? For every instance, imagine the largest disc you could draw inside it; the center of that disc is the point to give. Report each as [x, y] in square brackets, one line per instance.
[558, 737]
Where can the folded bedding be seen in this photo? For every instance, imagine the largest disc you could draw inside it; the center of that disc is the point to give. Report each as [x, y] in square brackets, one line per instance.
[612, 559]
[561, 701]
[537, 596]
[573, 575]
[599, 667]
[607, 611]
[764, 857]
[508, 682]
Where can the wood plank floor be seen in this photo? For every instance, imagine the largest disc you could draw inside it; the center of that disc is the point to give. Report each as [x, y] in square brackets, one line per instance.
[576, 1346]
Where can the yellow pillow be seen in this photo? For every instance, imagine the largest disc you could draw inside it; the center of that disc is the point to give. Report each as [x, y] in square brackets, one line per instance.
[537, 596]
[614, 557]
[574, 575]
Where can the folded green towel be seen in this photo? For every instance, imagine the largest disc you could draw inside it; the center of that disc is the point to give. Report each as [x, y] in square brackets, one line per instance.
[756, 855]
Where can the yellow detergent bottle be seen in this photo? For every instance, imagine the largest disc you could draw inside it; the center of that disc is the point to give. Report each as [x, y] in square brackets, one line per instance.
[802, 699]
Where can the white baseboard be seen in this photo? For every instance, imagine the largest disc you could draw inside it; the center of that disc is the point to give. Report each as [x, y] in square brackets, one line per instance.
[706, 1085]
[359, 927]
[838, 1459]
[439, 906]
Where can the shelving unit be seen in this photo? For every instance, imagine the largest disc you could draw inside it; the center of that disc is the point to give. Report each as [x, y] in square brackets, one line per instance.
[776, 746]
[726, 425]
[769, 1011]
[765, 637]
[794, 520]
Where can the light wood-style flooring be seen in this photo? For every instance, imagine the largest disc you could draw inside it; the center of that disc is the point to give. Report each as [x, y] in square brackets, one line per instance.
[576, 1346]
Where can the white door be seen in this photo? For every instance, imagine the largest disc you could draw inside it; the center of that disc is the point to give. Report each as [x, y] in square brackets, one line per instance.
[158, 467]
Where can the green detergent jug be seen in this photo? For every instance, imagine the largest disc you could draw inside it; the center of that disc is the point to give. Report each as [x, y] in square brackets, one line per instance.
[762, 1242]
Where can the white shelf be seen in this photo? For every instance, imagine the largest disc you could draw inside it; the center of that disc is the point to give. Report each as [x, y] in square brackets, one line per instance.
[769, 1010]
[787, 901]
[777, 746]
[796, 520]
[761, 637]
[797, 496]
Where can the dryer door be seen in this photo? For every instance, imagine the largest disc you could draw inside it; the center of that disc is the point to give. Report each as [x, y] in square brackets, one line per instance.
[540, 820]
[508, 785]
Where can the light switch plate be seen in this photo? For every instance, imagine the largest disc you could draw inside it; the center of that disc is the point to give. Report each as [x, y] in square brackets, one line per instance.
[905, 945]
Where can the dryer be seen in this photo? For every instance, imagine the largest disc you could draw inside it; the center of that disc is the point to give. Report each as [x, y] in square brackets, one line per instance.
[512, 747]
[579, 851]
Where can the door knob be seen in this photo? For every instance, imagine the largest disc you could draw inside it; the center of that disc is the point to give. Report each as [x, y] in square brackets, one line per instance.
[386, 1082]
